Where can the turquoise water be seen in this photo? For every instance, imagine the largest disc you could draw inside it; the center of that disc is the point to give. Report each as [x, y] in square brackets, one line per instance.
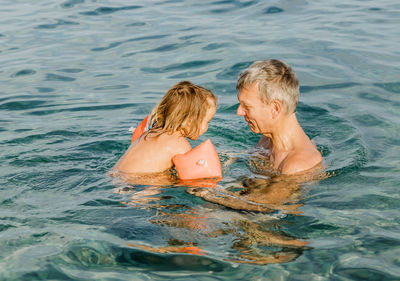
[76, 74]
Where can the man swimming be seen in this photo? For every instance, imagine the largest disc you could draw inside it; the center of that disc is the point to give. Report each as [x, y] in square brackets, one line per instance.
[268, 93]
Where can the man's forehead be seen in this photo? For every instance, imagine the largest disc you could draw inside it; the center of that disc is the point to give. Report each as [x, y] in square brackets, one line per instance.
[249, 92]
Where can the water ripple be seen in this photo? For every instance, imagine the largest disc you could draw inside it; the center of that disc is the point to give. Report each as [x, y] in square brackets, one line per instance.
[111, 87]
[233, 71]
[45, 90]
[180, 66]
[109, 10]
[332, 136]
[58, 133]
[166, 48]
[391, 87]
[71, 70]
[216, 46]
[116, 44]
[357, 268]
[306, 89]
[71, 3]
[273, 10]
[22, 105]
[55, 25]
[56, 77]
[83, 108]
[24, 72]
[93, 254]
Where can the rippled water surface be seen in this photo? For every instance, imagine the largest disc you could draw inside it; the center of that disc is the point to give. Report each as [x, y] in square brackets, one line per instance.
[76, 74]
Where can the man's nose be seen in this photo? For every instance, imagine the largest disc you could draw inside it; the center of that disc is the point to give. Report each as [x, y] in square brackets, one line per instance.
[240, 111]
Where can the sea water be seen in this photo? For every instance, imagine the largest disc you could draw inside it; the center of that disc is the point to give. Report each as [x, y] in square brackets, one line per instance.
[76, 74]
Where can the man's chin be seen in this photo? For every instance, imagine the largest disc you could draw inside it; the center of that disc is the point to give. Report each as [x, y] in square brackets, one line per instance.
[254, 130]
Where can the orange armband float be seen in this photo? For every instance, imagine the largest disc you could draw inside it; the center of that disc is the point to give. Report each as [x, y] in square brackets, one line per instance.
[200, 162]
[140, 129]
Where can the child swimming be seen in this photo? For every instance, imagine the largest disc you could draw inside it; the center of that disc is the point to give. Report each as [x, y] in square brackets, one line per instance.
[184, 112]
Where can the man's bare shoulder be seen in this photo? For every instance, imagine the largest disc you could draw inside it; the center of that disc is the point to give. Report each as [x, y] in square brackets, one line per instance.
[300, 161]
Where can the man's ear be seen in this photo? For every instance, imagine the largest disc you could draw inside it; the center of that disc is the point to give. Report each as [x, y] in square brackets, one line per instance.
[276, 108]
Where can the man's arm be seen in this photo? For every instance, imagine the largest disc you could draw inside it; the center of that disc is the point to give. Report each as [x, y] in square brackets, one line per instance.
[228, 200]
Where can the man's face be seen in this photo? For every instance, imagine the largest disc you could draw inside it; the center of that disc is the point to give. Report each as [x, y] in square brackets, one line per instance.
[256, 113]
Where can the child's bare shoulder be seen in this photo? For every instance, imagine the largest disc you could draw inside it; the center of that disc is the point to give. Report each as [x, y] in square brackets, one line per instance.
[184, 145]
[174, 144]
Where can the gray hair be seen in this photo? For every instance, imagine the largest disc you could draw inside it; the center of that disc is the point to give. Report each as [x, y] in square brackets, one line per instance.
[277, 81]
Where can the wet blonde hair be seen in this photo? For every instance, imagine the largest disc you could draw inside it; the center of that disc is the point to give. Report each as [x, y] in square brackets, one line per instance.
[183, 108]
[277, 81]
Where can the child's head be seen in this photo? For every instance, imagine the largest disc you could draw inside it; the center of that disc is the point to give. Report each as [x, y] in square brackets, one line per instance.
[186, 108]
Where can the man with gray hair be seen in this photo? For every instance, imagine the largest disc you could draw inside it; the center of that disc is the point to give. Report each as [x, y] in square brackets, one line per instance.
[268, 92]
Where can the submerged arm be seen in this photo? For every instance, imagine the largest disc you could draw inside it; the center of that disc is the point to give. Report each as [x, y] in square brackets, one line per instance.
[227, 199]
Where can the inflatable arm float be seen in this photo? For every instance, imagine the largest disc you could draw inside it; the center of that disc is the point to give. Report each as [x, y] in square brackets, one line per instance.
[140, 129]
[200, 162]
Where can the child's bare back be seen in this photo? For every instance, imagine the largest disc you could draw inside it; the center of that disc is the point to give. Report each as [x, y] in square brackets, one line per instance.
[152, 153]
[184, 112]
